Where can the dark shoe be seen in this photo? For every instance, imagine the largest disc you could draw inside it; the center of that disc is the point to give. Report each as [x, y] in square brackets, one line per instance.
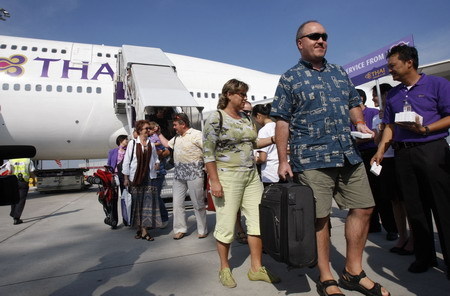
[395, 249]
[374, 229]
[404, 252]
[17, 221]
[322, 288]
[391, 236]
[351, 282]
[419, 267]
[398, 249]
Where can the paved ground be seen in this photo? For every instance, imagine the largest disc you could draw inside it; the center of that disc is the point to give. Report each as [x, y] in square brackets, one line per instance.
[63, 248]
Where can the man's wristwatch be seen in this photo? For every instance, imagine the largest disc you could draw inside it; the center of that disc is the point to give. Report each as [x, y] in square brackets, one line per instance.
[427, 131]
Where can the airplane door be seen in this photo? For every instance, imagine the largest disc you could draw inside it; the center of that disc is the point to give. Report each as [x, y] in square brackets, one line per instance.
[81, 53]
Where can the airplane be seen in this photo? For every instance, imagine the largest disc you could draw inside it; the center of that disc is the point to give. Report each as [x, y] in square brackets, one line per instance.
[59, 96]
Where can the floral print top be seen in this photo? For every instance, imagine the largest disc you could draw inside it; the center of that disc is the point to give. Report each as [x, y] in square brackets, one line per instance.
[230, 146]
[188, 155]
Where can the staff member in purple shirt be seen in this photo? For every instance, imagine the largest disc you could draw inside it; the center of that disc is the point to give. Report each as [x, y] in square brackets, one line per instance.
[422, 156]
[367, 148]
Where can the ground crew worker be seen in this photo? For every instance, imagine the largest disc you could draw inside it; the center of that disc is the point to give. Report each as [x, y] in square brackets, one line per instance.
[22, 168]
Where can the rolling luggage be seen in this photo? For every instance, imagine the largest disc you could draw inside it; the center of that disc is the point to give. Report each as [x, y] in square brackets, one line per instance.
[287, 216]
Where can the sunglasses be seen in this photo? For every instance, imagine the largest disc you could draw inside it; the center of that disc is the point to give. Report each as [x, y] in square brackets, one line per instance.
[248, 112]
[316, 36]
[242, 95]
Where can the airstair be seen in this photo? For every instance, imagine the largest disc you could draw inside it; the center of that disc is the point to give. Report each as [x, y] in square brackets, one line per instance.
[145, 80]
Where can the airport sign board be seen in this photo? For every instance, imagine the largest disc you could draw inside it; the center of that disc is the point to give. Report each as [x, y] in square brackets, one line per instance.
[374, 65]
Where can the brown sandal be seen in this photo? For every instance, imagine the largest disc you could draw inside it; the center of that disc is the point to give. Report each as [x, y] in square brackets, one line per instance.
[138, 234]
[148, 238]
[322, 287]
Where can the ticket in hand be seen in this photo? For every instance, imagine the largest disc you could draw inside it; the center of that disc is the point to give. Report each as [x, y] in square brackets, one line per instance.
[360, 135]
[375, 169]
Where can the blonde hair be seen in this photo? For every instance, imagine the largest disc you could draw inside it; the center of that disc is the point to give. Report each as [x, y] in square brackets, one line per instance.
[232, 86]
[153, 124]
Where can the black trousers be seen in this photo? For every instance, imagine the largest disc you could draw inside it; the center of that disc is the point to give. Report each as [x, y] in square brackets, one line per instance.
[383, 206]
[423, 173]
[17, 209]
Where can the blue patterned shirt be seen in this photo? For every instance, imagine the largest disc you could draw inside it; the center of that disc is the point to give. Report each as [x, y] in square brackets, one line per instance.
[316, 104]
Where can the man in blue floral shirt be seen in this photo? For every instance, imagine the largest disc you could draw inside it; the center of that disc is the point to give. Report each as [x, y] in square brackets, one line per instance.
[314, 104]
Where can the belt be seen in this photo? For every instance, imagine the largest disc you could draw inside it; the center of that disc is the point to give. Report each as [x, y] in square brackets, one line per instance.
[401, 145]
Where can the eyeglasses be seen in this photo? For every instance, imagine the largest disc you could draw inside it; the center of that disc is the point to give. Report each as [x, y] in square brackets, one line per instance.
[242, 95]
[248, 112]
[148, 128]
[316, 36]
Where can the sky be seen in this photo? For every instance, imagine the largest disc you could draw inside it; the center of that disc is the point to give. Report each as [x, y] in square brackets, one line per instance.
[256, 34]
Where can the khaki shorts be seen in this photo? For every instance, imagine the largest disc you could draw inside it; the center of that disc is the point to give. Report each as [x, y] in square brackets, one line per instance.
[242, 190]
[348, 186]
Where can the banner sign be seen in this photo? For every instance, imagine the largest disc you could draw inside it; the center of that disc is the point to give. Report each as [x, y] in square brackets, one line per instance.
[374, 65]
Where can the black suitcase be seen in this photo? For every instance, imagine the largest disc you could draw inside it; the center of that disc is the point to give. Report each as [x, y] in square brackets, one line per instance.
[287, 216]
[9, 190]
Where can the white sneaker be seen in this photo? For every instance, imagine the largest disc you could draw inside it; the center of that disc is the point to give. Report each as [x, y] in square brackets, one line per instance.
[164, 224]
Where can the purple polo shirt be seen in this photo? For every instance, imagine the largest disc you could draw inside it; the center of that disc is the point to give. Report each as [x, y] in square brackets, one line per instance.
[429, 97]
[369, 114]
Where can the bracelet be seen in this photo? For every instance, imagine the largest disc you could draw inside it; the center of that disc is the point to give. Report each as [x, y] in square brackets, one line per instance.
[271, 140]
[360, 122]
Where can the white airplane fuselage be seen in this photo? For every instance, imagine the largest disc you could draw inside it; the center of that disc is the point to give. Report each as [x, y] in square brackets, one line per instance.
[58, 96]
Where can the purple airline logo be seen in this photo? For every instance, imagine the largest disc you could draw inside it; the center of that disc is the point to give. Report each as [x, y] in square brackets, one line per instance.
[13, 65]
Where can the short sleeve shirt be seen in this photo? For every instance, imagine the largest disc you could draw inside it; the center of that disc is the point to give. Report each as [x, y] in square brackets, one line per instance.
[230, 146]
[429, 97]
[188, 155]
[316, 104]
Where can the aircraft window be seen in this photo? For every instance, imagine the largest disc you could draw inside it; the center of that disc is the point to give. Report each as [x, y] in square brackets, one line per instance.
[3, 46]
[34, 49]
[199, 95]
[206, 95]
[59, 88]
[115, 56]
[79, 89]
[69, 88]
[108, 55]
[192, 94]
[98, 90]
[44, 49]
[265, 97]
[99, 54]
[38, 87]
[253, 97]
[24, 47]
[27, 87]
[63, 51]
[13, 46]
[16, 86]
[89, 89]
[48, 88]
[213, 95]
[54, 50]
[5, 86]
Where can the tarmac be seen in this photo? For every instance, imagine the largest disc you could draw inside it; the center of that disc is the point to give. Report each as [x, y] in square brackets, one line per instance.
[64, 248]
